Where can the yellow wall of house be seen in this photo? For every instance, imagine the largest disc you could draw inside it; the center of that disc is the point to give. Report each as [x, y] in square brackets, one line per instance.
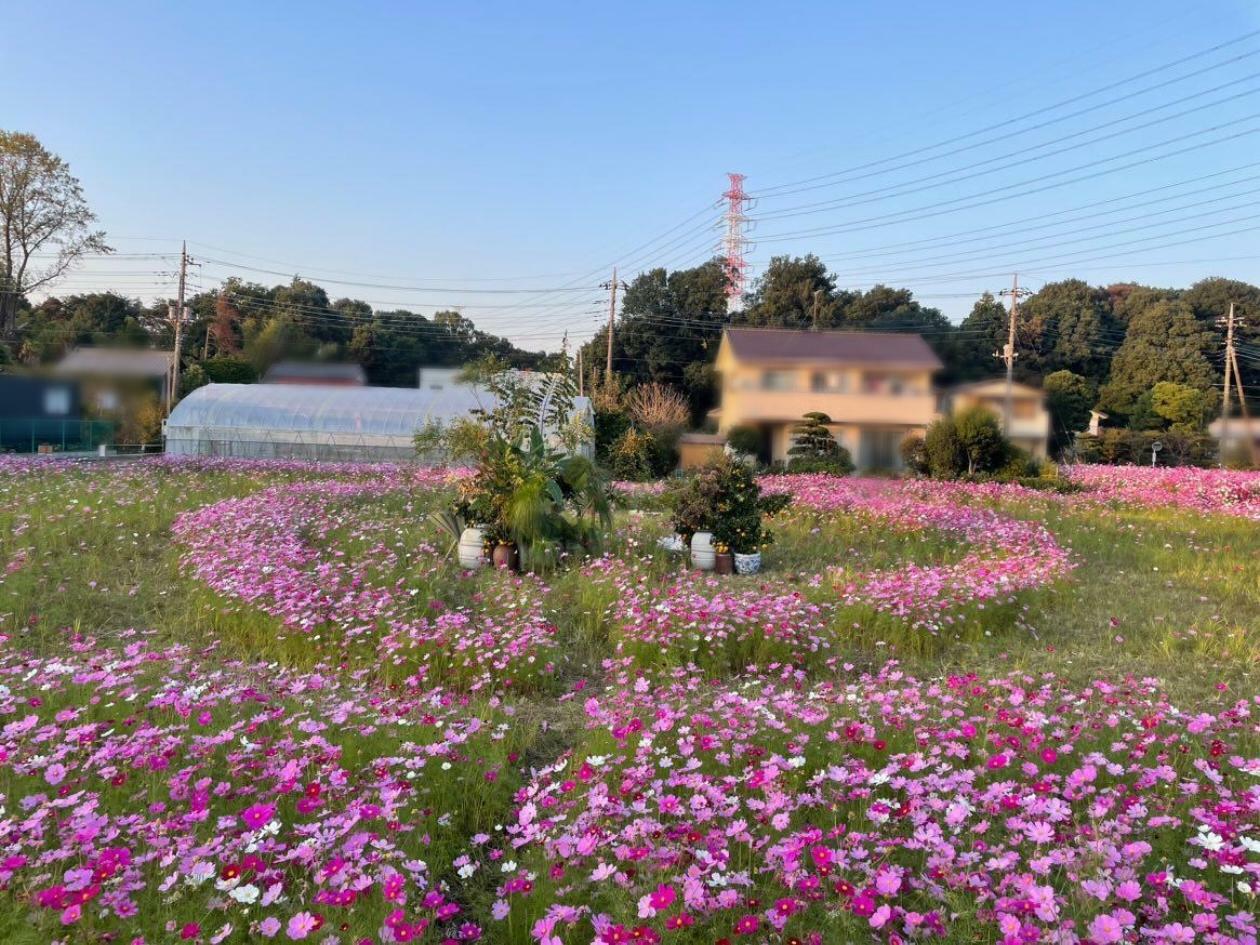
[860, 399]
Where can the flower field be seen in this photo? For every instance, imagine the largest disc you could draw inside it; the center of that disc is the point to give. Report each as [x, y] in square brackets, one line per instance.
[260, 701]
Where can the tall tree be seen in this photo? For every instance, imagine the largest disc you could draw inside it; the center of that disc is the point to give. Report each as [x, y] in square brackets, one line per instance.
[1210, 299]
[795, 292]
[1069, 399]
[668, 331]
[983, 331]
[1165, 342]
[1067, 326]
[45, 223]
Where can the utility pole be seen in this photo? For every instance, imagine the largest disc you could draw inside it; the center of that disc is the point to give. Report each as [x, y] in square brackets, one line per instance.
[1233, 373]
[1008, 353]
[581, 379]
[1229, 364]
[818, 294]
[179, 326]
[612, 312]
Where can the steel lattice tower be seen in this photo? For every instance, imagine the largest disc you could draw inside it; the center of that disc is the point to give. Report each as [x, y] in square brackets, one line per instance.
[734, 244]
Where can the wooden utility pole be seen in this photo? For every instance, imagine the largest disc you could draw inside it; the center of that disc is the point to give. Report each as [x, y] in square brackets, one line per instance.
[1008, 353]
[612, 311]
[581, 379]
[1229, 364]
[1231, 371]
[179, 325]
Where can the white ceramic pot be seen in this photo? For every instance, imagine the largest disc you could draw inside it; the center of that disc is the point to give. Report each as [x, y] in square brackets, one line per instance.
[703, 556]
[747, 564]
[472, 552]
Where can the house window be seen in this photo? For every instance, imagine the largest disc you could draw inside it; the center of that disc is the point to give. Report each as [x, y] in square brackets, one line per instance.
[57, 401]
[777, 380]
[874, 383]
[828, 382]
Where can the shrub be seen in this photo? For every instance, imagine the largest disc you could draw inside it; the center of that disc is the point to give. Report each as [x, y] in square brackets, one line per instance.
[837, 464]
[1119, 447]
[983, 444]
[610, 425]
[914, 454]
[723, 497]
[970, 443]
[815, 450]
[943, 450]
[750, 441]
[228, 370]
[659, 409]
[632, 456]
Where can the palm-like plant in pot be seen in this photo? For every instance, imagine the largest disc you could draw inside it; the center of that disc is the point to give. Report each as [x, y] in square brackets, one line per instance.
[532, 490]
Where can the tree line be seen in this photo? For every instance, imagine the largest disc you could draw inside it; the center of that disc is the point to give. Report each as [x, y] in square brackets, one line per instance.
[235, 333]
[1104, 347]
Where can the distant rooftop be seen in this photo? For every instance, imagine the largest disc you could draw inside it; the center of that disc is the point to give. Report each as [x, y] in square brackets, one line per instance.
[116, 362]
[315, 372]
[883, 348]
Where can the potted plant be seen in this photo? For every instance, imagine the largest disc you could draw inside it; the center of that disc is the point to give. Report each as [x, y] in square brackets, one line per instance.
[739, 522]
[532, 492]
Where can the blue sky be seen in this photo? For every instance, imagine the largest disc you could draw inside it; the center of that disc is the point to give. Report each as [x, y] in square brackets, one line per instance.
[471, 146]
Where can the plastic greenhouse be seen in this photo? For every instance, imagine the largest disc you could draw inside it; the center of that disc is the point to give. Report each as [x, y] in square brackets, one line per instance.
[301, 421]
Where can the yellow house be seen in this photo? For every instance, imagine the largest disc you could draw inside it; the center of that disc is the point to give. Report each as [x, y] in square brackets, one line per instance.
[875, 386]
[1030, 421]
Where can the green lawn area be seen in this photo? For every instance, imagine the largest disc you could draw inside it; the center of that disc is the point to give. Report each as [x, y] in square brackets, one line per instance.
[490, 725]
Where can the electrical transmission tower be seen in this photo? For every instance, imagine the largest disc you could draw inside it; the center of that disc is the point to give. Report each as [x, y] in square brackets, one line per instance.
[734, 245]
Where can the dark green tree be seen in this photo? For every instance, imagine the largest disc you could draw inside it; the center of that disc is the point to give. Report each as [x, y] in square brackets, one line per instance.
[814, 449]
[668, 332]
[1165, 342]
[1067, 326]
[795, 292]
[969, 355]
[1069, 399]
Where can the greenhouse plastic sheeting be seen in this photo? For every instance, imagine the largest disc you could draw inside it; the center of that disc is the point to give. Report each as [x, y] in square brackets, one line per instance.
[306, 421]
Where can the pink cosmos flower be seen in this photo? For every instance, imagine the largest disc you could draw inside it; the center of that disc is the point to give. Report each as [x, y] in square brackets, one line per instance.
[258, 815]
[55, 773]
[1106, 930]
[301, 925]
[269, 926]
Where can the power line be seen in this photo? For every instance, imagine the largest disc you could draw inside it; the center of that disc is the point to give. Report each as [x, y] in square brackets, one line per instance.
[933, 181]
[1032, 114]
[939, 208]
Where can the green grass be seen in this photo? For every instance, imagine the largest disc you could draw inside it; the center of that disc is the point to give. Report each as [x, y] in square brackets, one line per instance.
[1156, 593]
[1163, 593]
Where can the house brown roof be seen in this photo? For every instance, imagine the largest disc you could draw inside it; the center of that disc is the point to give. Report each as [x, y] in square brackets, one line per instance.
[888, 348]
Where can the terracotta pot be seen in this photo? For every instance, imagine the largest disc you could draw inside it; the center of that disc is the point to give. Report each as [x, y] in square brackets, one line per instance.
[724, 562]
[506, 556]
